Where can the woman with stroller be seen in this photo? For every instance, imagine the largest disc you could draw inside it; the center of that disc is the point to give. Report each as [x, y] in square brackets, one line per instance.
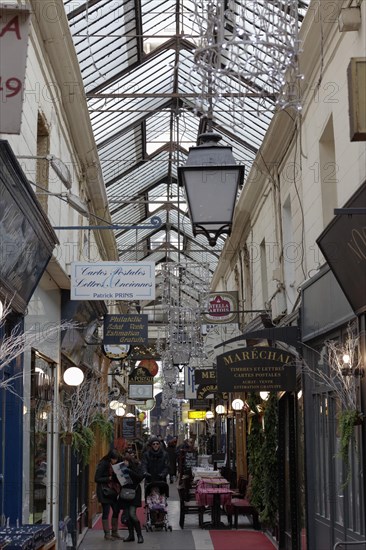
[107, 482]
[133, 471]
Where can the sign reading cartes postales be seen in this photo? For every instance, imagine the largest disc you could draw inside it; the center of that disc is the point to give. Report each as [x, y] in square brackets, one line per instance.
[256, 369]
[112, 281]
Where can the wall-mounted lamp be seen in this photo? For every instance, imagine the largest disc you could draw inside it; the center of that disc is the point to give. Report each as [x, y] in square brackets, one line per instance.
[73, 376]
[349, 19]
[58, 166]
[209, 415]
[237, 405]
[120, 410]
[211, 179]
[264, 395]
[220, 409]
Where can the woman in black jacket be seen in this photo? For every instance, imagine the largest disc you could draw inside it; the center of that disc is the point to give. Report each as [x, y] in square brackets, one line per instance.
[106, 478]
[134, 472]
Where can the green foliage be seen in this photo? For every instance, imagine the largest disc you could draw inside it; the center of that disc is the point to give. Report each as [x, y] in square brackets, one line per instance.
[263, 460]
[270, 462]
[83, 440]
[104, 426]
[255, 458]
[347, 420]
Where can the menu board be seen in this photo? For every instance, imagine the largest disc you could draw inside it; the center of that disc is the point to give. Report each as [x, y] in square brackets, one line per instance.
[190, 460]
[129, 428]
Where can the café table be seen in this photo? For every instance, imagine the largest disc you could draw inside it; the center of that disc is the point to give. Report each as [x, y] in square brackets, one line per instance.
[214, 492]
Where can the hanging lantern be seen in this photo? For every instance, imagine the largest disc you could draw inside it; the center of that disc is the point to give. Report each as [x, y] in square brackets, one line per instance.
[150, 365]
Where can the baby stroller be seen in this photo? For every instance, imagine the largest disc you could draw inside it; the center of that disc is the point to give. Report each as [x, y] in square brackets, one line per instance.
[156, 506]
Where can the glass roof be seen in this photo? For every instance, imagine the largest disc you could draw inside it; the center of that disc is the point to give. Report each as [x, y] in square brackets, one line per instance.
[141, 62]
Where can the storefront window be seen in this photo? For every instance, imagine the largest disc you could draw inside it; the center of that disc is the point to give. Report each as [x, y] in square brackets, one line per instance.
[41, 483]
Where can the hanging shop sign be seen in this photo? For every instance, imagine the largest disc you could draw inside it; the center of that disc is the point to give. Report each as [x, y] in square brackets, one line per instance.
[209, 390]
[343, 244]
[112, 281]
[14, 34]
[205, 376]
[222, 307]
[125, 329]
[190, 386]
[256, 369]
[151, 365]
[140, 384]
[26, 236]
[197, 415]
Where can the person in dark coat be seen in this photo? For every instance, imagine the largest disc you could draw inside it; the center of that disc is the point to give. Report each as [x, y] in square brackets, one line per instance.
[105, 477]
[155, 462]
[134, 472]
[172, 453]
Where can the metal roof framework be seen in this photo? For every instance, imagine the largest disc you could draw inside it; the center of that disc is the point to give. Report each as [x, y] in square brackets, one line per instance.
[136, 59]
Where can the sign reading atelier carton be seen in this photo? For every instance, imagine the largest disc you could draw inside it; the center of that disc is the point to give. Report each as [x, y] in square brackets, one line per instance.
[125, 329]
[112, 281]
[256, 369]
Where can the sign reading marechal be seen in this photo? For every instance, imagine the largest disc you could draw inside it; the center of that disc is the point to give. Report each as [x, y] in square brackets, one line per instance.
[112, 281]
[14, 32]
[256, 369]
[125, 329]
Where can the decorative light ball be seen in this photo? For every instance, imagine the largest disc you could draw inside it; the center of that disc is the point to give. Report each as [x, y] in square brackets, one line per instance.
[209, 415]
[346, 359]
[120, 411]
[114, 404]
[73, 376]
[220, 409]
[148, 406]
[142, 416]
[150, 365]
[264, 395]
[237, 404]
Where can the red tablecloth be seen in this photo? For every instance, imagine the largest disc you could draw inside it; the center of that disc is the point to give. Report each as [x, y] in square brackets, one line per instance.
[205, 495]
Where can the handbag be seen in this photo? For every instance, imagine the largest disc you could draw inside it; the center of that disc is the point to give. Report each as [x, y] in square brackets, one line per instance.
[109, 492]
[127, 493]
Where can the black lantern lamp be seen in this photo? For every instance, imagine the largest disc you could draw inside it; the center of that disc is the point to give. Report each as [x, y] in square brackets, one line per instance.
[211, 179]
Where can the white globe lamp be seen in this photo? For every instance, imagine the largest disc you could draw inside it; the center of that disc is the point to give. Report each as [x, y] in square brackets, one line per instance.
[73, 376]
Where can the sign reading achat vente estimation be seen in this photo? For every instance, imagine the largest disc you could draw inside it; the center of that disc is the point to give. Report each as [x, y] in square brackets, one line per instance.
[256, 369]
[125, 329]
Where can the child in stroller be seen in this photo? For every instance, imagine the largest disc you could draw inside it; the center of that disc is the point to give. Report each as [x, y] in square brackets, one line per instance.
[156, 506]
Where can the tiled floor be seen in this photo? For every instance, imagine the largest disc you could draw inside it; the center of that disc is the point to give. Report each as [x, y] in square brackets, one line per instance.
[189, 538]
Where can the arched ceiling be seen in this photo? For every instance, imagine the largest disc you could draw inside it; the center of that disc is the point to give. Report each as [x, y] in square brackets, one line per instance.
[136, 59]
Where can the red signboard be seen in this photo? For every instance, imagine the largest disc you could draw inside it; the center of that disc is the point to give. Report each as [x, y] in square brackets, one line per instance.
[14, 31]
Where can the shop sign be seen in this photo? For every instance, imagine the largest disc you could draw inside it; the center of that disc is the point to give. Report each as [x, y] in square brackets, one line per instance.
[14, 33]
[197, 415]
[343, 244]
[190, 386]
[125, 329]
[205, 376]
[140, 384]
[128, 427]
[209, 391]
[222, 307]
[256, 369]
[113, 281]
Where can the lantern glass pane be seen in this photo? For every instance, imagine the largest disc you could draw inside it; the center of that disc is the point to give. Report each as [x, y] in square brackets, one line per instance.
[211, 195]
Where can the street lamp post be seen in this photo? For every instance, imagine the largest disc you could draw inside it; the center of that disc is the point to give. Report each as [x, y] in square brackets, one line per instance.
[211, 179]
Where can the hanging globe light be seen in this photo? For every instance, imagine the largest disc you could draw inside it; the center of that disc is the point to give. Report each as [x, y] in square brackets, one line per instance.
[73, 376]
[237, 404]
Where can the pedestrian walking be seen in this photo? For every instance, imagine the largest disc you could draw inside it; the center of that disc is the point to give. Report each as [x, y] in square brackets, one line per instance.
[107, 493]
